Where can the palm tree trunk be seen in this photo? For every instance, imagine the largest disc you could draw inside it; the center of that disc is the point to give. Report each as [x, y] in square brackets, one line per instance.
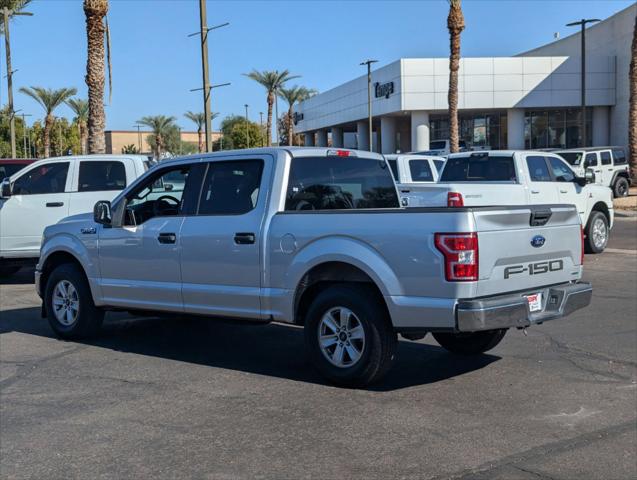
[46, 135]
[268, 125]
[158, 146]
[83, 138]
[290, 126]
[200, 138]
[95, 11]
[632, 115]
[455, 25]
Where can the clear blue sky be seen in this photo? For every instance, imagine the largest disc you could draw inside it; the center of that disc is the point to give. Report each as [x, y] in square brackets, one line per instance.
[155, 63]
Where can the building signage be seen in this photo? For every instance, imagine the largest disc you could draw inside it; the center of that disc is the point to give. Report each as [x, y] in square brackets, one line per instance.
[297, 117]
[383, 89]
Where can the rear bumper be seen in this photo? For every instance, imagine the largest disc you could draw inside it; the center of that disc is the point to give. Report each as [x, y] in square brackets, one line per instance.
[512, 310]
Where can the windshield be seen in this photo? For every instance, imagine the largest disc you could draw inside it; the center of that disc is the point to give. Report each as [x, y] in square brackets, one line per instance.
[574, 158]
[479, 168]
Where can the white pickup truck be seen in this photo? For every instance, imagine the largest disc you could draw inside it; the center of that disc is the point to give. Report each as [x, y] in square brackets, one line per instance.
[501, 177]
[415, 168]
[313, 237]
[49, 190]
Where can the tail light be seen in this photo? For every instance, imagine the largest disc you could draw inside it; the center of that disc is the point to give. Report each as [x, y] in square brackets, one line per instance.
[581, 262]
[461, 255]
[454, 199]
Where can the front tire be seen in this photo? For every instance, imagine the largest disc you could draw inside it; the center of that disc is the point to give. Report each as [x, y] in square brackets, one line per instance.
[349, 336]
[472, 343]
[621, 187]
[597, 233]
[69, 304]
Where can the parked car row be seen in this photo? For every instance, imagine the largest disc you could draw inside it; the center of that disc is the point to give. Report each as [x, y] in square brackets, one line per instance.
[314, 237]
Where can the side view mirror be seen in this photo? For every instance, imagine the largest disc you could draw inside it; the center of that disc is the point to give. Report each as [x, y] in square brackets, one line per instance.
[102, 212]
[5, 188]
[589, 175]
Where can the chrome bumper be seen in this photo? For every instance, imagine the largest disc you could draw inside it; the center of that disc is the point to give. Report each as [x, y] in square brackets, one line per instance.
[512, 310]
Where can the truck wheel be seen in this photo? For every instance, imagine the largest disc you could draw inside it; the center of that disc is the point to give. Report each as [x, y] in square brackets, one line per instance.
[596, 233]
[7, 271]
[470, 343]
[69, 304]
[349, 336]
[621, 187]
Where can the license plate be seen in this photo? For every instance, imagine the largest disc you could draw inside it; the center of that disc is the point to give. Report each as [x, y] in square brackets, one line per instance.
[535, 302]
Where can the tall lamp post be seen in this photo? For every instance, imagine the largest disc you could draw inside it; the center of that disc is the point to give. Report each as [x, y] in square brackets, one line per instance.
[247, 131]
[261, 127]
[24, 133]
[139, 137]
[6, 14]
[582, 23]
[369, 98]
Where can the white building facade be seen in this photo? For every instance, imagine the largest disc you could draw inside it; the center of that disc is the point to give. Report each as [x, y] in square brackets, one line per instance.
[528, 101]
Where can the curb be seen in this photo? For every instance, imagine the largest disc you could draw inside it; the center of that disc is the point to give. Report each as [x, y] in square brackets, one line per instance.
[625, 214]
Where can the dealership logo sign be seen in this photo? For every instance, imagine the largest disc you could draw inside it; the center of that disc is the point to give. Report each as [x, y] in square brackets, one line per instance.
[383, 89]
[297, 117]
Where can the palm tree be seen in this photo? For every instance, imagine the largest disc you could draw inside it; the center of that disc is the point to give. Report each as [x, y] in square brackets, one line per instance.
[272, 81]
[160, 125]
[455, 25]
[632, 116]
[80, 108]
[50, 99]
[199, 119]
[15, 6]
[95, 11]
[293, 95]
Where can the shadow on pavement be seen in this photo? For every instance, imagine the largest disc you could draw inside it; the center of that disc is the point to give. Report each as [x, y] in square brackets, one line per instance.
[24, 276]
[275, 350]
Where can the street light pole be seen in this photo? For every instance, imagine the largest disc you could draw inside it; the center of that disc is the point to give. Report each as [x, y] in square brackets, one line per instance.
[247, 133]
[139, 137]
[369, 99]
[24, 133]
[261, 127]
[582, 23]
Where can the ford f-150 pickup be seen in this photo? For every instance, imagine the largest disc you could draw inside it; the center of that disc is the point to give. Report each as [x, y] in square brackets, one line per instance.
[314, 237]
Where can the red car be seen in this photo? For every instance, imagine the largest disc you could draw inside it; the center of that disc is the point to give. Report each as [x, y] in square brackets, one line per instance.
[8, 166]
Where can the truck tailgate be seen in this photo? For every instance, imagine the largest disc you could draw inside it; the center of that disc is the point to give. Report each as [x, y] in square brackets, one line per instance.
[473, 193]
[523, 248]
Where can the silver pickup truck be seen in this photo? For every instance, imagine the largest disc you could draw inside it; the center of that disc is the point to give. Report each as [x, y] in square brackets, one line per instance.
[313, 237]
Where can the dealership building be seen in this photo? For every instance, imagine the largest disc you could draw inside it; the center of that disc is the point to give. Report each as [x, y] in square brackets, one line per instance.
[531, 100]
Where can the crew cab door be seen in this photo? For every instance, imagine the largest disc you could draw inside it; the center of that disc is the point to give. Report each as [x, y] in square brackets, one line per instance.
[541, 188]
[569, 191]
[39, 198]
[139, 260]
[98, 179]
[606, 168]
[222, 242]
[591, 161]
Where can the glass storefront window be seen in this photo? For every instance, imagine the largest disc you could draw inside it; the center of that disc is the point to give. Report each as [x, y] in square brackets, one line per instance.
[555, 128]
[482, 130]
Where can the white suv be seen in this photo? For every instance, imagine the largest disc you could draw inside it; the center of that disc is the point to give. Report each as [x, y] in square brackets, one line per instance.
[48, 190]
[609, 164]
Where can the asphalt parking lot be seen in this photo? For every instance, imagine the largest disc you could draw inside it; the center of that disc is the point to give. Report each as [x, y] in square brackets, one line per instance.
[157, 398]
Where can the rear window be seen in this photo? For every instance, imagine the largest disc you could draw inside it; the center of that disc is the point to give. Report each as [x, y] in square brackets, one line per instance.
[420, 171]
[574, 158]
[482, 168]
[336, 183]
[619, 156]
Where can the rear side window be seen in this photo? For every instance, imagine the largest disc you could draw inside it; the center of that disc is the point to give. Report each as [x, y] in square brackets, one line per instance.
[561, 171]
[619, 156]
[538, 170]
[439, 164]
[482, 168]
[420, 171]
[335, 183]
[231, 188]
[101, 176]
[393, 164]
[606, 159]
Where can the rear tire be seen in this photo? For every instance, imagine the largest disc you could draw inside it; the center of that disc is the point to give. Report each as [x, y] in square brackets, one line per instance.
[7, 271]
[621, 187]
[349, 336]
[69, 304]
[472, 343]
[597, 233]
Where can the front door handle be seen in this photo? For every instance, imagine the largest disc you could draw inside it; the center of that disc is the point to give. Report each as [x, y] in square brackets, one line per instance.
[167, 238]
[55, 204]
[244, 238]
[535, 191]
[563, 191]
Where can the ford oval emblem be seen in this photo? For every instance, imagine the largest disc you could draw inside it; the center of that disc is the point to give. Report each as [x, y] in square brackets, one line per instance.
[538, 241]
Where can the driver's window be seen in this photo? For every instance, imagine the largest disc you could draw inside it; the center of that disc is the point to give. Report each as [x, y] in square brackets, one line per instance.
[159, 196]
[47, 178]
[561, 172]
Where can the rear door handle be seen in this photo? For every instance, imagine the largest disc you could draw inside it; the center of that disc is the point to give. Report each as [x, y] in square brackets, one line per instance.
[535, 191]
[563, 191]
[55, 204]
[244, 238]
[167, 238]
